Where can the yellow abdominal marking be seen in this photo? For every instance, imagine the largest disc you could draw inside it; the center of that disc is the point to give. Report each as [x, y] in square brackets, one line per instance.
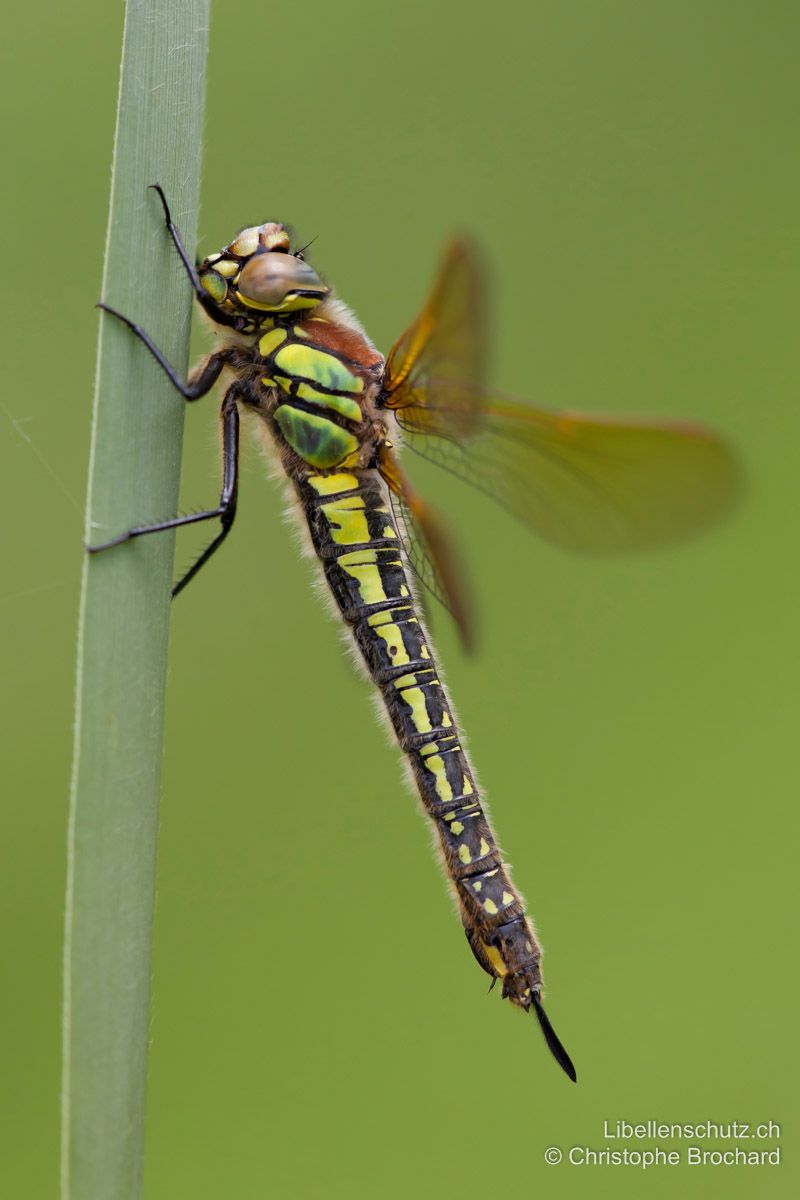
[395, 645]
[495, 958]
[415, 698]
[435, 765]
[404, 681]
[329, 485]
[361, 565]
[348, 521]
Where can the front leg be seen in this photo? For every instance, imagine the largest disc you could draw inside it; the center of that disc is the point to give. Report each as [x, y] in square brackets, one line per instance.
[197, 387]
[177, 242]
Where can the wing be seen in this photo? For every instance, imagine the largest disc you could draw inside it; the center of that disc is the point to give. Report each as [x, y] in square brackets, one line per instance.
[587, 482]
[429, 549]
[439, 362]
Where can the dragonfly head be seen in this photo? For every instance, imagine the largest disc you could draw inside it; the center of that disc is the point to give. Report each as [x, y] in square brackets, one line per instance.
[256, 276]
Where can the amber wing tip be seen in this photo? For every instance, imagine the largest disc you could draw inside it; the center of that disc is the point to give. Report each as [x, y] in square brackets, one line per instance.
[554, 1044]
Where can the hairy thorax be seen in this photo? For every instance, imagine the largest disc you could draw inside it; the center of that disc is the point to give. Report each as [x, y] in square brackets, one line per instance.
[315, 381]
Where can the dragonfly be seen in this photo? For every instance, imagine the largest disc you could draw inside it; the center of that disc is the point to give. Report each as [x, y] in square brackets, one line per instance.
[336, 413]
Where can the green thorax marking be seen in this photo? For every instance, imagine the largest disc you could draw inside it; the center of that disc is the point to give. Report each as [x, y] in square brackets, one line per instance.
[315, 377]
[299, 360]
[314, 372]
[344, 405]
[320, 442]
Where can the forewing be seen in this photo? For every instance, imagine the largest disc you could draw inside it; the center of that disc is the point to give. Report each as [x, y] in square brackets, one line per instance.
[428, 547]
[586, 482]
[445, 346]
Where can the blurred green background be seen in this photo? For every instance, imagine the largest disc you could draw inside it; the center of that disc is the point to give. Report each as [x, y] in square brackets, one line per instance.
[319, 1027]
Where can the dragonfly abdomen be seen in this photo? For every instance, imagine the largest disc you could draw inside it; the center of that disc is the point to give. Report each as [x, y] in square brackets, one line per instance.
[353, 533]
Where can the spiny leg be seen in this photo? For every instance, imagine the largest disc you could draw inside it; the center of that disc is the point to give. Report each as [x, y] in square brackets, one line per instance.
[199, 386]
[172, 230]
[225, 510]
[189, 267]
[205, 380]
[211, 369]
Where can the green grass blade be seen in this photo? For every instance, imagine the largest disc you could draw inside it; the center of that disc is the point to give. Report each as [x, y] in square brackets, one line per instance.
[124, 614]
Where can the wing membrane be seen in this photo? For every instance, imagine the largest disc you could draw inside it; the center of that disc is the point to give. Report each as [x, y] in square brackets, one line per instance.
[586, 482]
[429, 550]
[589, 483]
[445, 346]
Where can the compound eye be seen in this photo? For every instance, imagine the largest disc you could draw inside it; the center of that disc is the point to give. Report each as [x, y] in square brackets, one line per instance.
[267, 279]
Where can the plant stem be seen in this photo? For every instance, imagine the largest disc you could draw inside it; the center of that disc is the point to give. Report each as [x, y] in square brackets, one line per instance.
[124, 612]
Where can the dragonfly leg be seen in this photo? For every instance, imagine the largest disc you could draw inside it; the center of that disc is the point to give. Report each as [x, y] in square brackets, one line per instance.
[172, 230]
[225, 510]
[190, 268]
[202, 383]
